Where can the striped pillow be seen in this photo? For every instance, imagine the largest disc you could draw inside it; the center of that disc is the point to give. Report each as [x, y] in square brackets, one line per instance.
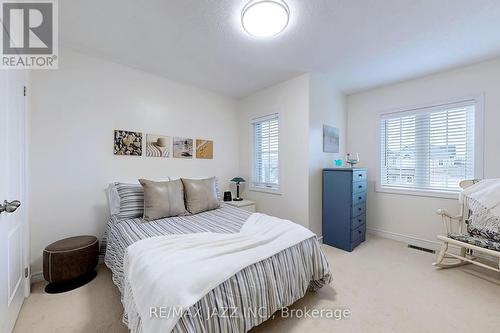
[131, 200]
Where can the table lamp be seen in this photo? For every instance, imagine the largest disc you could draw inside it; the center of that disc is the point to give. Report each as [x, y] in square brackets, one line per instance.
[238, 180]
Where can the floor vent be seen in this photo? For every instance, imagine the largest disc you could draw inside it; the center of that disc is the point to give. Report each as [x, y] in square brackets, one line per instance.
[421, 248]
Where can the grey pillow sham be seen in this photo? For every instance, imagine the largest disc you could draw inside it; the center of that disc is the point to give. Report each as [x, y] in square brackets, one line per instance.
[162, 199]
[200, 194]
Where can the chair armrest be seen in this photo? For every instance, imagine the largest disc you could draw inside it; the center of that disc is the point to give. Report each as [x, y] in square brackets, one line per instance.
[444, 213]
[452, 224]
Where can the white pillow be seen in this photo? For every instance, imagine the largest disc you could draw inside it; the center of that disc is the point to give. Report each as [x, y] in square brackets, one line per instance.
[113, 199]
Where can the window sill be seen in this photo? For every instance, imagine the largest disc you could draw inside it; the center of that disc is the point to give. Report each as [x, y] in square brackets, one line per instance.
[419, 193]
[265, 190]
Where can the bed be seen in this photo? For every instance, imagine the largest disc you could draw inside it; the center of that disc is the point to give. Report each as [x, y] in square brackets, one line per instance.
[262, 288]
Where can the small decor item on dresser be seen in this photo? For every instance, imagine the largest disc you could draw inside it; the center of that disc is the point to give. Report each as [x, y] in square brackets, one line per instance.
[238, 180]
[352, 159]
[338, 163]
[69, 263]
[228, 196]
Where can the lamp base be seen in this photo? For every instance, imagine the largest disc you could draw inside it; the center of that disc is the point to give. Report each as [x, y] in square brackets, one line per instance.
[238, 199]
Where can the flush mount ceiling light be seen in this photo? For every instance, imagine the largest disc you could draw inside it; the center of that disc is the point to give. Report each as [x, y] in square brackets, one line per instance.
[265, 18]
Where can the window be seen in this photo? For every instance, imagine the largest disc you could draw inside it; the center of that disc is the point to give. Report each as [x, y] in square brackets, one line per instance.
[265, 153]
[429, 149]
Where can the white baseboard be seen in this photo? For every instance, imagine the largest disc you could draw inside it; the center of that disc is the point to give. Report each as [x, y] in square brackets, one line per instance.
[37, 277]
[425, 243]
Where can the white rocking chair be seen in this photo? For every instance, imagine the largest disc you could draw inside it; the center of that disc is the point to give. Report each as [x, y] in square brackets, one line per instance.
[457, 225]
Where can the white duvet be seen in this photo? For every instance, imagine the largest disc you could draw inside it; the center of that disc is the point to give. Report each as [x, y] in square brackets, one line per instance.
[167, 274]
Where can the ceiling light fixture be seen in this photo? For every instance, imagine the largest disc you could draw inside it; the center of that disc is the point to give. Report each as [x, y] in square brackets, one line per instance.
[265, 18]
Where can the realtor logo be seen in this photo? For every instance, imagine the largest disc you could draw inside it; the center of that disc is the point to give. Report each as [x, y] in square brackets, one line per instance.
[29, 36]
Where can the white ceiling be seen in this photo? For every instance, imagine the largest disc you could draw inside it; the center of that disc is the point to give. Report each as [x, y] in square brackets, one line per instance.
[364, 43]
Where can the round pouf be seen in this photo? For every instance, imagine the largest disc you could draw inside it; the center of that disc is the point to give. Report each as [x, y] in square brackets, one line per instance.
[69, 263]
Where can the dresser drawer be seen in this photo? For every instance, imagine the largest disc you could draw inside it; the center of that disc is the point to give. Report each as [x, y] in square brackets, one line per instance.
[359, 175]
[358, 236]
[358, 187]
[358, 210]
[357, 221]
[358, 198]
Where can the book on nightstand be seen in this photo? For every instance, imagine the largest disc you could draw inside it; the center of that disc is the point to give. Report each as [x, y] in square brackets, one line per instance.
[244, 204]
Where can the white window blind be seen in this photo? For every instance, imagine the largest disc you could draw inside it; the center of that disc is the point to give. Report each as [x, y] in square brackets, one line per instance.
[266, 152]
[428, 149]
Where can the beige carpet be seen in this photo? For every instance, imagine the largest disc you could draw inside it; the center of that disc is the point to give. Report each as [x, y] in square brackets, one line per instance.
[386, 286]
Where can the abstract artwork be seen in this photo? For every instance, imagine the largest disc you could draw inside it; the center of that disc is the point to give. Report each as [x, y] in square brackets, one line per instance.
[183, 148]
[128, 143]
[330, 139]
[204, 149]
[157, 145]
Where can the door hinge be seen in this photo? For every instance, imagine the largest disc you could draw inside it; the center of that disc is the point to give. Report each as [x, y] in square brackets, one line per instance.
[26, 272]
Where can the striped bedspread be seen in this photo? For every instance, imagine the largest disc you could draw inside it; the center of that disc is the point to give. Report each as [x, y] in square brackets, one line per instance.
[246, 299]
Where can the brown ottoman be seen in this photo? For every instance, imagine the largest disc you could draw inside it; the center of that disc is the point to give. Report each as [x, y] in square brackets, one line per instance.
[69, 263]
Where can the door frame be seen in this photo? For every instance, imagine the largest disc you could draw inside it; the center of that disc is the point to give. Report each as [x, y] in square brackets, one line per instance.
[26, 243]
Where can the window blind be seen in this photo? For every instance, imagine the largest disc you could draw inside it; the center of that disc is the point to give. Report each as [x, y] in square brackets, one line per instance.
[430, 148]
[266, 152]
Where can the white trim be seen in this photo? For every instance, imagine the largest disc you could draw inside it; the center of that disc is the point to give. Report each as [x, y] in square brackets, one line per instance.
[252, 187]
[265, 190]
[264, 118]
[417, 192]
[478, 144]
[26, 188]
[420, 242]
[428, 108]
[37, 277]
[479, 137]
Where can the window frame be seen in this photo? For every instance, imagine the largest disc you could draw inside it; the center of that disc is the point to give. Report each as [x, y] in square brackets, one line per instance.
[478, 100]
[252, 187]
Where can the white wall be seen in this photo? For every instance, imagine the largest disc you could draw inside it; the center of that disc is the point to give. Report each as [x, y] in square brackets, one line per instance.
[304, 104]
[326, 107]
[74, 111]
[411, 215]
[291, 100]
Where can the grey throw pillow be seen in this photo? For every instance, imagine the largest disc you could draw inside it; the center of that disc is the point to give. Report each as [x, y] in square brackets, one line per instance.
[162, 199]
[200, 194]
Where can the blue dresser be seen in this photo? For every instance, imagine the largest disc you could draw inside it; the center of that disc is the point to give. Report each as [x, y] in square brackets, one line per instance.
[344, 207]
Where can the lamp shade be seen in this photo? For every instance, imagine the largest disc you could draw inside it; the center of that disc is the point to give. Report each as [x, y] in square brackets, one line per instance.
[238, 180]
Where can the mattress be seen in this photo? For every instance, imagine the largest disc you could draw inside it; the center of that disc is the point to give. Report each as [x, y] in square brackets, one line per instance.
[247, 298]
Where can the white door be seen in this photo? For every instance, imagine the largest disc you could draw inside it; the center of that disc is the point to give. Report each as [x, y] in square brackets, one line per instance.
[13, 227]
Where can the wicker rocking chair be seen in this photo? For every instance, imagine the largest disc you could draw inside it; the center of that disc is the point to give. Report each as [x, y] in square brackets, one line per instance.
[457, 234]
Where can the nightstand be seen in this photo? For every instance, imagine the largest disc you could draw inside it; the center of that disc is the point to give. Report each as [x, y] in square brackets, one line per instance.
[244, 204]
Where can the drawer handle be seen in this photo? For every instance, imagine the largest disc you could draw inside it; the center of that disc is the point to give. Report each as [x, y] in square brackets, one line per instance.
[360, 175]
[360, 220]
[360, 186]
[359, 198]
[359, 208]
[359, 231]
